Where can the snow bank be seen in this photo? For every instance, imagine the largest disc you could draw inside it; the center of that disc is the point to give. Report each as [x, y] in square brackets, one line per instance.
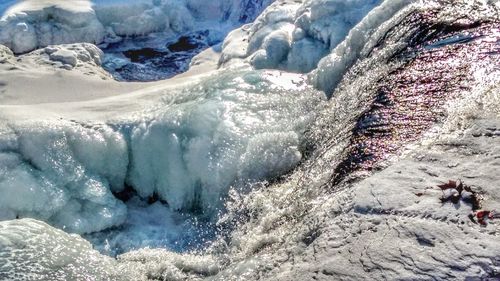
[32, 24]
[188, 150]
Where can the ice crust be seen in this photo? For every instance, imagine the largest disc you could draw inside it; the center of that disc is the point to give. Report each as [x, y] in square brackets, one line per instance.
[33, 250]
[32, 24]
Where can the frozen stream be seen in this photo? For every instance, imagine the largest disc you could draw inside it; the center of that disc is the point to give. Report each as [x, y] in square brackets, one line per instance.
[314, 148]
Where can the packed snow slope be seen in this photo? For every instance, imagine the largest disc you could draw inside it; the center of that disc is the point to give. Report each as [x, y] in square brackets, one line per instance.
[297, 186]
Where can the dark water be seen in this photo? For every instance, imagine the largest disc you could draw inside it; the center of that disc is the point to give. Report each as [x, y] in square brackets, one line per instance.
[161, 56]
[153, 58]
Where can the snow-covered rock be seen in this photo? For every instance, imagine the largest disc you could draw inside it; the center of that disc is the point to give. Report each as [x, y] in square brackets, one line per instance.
[75, 54]
[81, 57]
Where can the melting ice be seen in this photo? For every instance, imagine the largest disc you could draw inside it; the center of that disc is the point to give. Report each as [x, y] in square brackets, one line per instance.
[183, 179]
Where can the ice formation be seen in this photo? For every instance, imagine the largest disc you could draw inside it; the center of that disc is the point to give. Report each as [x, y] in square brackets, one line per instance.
[319, 36]
[59, 256]
[295, 36]
[133, 168]
[188, 149]
[32, 24]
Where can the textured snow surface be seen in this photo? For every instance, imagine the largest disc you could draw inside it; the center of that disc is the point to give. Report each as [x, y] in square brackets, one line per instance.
[388, 231]
[5, 54]
[31, 24]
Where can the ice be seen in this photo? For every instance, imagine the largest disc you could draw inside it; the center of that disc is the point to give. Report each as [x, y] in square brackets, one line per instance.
[32, 24]
[196, 150]
[33, 250]
[154, 226]
[146, 173]
[356, 45]
[52, 183]
[274, 49]
[295, 37]
[188, 150]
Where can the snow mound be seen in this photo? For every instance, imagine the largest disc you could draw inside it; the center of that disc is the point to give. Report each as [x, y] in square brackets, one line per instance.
[33, 24]
[75, 54]
[82, 57]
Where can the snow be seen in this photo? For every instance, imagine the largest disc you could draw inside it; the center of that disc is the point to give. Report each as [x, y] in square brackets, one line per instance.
[73, 54]
[390, 231]
[358, 42]
[324, 38]
[5, 54]
[32, 24]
